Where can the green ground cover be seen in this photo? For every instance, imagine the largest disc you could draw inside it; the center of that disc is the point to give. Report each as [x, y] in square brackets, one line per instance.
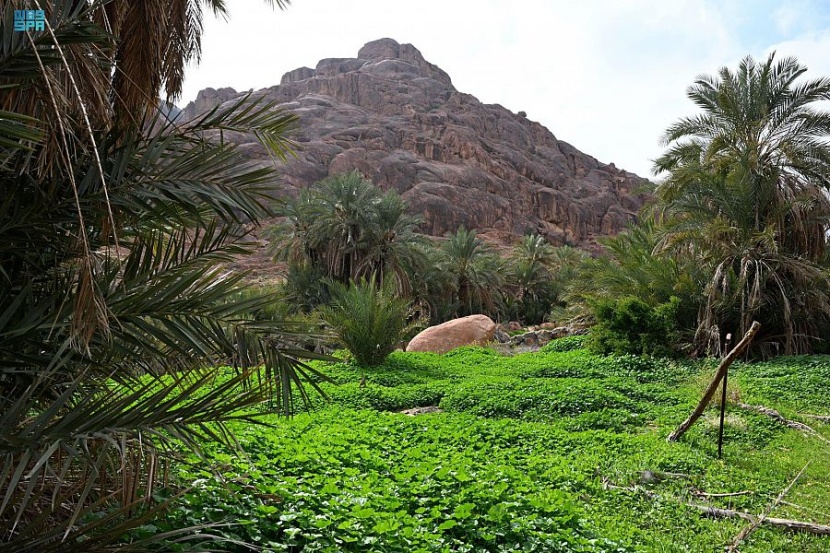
[520, 458]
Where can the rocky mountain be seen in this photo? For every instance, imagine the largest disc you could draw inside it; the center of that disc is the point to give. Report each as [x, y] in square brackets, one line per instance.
[399, 120]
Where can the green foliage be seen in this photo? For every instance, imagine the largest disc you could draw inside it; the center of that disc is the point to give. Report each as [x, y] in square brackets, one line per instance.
[634, 264]
[745, 197]
[536, 275]
[344, 228]
[114, 296]
[799, 383]
[629, 325]
[517, 461]
[370, 321]
[369, 482]
[568, 343]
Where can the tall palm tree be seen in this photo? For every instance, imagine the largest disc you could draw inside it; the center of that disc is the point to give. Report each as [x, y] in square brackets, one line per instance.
[475, 272]
[345, 228]
[530, 274]
[746, 194]
[392, 247]
[113, 304]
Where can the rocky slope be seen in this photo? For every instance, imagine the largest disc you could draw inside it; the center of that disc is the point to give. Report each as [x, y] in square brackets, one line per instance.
[398, 119]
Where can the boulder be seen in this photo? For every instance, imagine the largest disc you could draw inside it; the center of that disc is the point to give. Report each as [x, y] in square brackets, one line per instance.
[475, 329]
[501, 336]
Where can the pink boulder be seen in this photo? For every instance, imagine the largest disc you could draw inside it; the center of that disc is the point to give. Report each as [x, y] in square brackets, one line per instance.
[475, 329]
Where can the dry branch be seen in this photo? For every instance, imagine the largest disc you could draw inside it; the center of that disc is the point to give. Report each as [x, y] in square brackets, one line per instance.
[700, 493]
[715, 512]
[743, 534]
[713, 385]
[775, 415]
[797, 525]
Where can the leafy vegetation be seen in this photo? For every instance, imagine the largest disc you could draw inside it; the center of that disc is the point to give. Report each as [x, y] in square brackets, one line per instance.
[629, 325]
[518, 459]
[370, 321]
[114, 224]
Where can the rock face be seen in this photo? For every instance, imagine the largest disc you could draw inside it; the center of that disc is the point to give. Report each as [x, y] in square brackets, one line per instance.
[398, 119]
[475, 329]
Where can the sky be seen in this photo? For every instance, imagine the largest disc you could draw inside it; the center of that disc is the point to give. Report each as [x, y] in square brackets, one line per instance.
[606, 76]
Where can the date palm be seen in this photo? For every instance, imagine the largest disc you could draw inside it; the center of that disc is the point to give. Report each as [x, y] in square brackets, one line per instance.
[345, 228]
[746, 194]
[533, 288]
[474, 271]
[114, 304]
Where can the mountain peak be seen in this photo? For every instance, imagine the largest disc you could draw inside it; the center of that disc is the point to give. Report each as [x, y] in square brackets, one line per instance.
[395, 117]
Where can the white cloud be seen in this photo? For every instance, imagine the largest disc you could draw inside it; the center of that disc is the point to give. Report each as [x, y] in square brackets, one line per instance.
[608, 77]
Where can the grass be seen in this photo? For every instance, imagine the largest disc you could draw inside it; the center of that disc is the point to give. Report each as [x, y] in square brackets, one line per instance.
[518, 458]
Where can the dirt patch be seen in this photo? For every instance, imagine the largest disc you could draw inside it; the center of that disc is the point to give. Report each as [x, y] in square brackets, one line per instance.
[422, 410]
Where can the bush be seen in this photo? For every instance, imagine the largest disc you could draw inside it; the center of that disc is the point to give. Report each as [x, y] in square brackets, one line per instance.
[561, 345]
[369, 320]
[629, 325]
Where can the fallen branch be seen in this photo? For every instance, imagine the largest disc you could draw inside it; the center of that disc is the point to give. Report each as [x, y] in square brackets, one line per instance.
[743, 534]
[714, 512]
[775, 415]
[713, 385]
[648, 476]
[796, 525]
[700, 493]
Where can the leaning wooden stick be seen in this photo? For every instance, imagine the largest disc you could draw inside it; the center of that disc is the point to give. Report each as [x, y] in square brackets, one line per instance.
[713, 385]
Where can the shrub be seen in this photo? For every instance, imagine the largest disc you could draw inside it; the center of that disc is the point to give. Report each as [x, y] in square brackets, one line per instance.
[369, 319]
[561, 345]
[629, 325]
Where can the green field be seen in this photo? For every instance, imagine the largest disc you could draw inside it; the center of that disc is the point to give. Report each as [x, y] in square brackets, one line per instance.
[523, 457]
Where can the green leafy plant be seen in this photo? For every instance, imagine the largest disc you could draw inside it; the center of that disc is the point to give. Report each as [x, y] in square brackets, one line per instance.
[369, 319]
[568, 343]
[114, 305]
[524, 458]
[629, 325]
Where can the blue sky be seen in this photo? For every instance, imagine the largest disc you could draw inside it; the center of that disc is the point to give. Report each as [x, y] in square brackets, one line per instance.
[606, 76]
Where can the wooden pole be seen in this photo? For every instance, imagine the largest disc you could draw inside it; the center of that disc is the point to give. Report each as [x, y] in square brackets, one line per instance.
[722, 414]
[723, 402]
[713, 385]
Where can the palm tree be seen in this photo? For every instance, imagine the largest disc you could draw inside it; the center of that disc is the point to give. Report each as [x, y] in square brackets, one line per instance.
[746, 195]
[392, 247]
[474, 271]
[343, 228]
[532, 284]
[114, 306]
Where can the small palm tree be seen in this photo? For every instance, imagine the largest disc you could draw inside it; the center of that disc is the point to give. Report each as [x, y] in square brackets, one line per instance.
[746, 195]
[370, 320]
